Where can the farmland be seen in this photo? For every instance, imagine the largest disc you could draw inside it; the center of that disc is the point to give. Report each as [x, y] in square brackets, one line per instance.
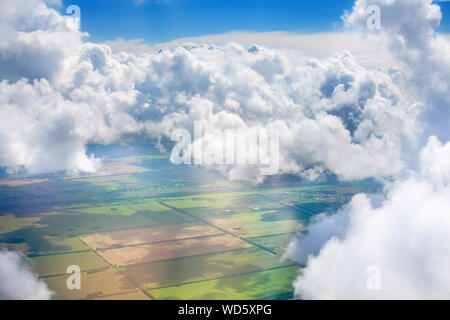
[143, 228]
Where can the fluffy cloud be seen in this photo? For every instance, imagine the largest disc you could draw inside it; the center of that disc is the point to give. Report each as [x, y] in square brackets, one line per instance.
[17, 281]
[35, 40]
[320, 107]
[406, 237]
[45, 122]
[333, 115]
[407, 29]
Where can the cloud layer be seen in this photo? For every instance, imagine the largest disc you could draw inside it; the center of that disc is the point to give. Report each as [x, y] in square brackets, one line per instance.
[333, 115]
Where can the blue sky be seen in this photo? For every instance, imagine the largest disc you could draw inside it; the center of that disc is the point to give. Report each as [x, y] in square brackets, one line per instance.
[158, 21]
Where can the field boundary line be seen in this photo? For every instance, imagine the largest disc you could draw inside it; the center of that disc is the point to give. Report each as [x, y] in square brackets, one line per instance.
[273, 235]
[58, 253]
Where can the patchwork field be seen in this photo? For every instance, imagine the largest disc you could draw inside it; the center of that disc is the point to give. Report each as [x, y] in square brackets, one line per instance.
[143, 228]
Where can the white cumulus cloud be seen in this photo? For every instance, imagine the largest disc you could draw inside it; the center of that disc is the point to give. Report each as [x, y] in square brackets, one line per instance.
[18, 281]
[334, 116]
[407, 28]
[406, 235]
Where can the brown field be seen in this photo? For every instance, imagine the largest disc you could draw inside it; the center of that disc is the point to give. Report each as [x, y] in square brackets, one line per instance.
[133, 237]
[172, 249]
[15, 183]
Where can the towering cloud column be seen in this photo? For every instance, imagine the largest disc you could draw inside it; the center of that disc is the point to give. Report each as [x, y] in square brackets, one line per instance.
[397, 247]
